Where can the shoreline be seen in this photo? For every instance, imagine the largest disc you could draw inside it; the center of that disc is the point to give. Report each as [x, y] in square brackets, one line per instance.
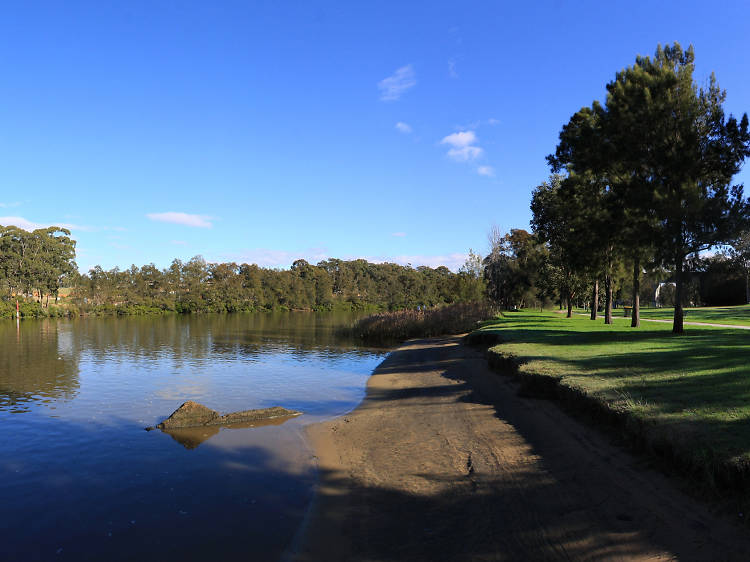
[444, 460]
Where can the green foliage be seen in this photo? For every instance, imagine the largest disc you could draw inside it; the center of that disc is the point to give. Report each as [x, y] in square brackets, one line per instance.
[649, 176]
[197, 287]
[513, 267]
[35, 263]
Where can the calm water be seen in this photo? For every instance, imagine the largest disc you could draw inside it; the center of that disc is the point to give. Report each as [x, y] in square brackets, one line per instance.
[81, 479]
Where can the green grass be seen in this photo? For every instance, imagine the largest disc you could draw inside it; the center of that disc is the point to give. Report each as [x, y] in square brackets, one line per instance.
[729, 315]
[691, 390]
[732, 315]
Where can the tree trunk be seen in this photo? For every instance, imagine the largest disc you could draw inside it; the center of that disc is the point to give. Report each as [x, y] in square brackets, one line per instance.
[677, 326]
[608, 299]
[570, 305]
[747, 285]
[595, 300]
[636, 320]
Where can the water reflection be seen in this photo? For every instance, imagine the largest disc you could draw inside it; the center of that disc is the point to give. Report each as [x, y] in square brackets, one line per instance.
[79, 477]
[191, 437]
[173, 358]
[37, 363]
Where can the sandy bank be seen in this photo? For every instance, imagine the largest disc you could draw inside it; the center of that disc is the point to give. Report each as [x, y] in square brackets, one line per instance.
[444, 461]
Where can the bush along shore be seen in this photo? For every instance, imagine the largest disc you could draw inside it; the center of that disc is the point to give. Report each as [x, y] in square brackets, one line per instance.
[682, 401]
[391, 327]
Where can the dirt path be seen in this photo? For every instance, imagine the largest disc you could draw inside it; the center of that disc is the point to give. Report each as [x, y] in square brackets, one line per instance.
[444, 461]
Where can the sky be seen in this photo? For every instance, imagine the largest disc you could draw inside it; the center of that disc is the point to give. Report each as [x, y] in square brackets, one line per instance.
[264, 132]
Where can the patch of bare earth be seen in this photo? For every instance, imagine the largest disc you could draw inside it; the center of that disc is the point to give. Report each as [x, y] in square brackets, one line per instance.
[444, 461]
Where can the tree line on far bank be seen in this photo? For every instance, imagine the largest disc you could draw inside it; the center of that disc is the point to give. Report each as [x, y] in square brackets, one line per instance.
[642, 182]
[196, 286]
[199, 286]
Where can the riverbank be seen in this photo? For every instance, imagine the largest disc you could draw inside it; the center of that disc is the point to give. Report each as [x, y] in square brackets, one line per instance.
[443, 460]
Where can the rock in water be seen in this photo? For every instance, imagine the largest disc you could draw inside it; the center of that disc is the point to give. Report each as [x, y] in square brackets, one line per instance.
[192, 414]
[256, 415]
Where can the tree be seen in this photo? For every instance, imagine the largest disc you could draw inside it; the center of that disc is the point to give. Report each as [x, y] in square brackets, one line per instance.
[587, 193]
[695, 153]
[553, 221]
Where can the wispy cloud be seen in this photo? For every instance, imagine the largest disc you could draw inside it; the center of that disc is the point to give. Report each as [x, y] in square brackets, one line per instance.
[403, 127]
[460, 139]
[492, 121]
[463, 146]
[29, 225]
[399, 234]
[185, 219]
[487, 171]
[465, 153]
[20, 222]
[10, 205]
[451, 261]
[452, 68]
[393, 87]
[266, 257]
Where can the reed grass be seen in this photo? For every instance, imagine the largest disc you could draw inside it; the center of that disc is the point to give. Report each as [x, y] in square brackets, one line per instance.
[400, 325]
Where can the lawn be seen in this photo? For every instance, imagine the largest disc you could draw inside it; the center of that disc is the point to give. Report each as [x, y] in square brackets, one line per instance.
[693, 388]
[733, 315]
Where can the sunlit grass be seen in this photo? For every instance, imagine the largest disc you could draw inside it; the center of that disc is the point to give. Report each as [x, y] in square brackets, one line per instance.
[696, 385]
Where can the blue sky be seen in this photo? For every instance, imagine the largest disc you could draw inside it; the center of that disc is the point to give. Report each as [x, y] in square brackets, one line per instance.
[268, 131]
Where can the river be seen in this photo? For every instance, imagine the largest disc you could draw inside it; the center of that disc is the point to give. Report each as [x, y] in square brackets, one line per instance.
[80, 479]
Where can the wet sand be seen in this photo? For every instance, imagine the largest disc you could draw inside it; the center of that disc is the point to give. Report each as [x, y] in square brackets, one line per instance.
[443, 460]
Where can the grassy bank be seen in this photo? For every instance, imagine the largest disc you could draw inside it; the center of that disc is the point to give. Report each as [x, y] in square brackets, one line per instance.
[401, 325]
[683, 398]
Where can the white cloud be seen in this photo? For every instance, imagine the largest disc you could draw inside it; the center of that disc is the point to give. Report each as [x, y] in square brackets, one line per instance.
[460, 139]
[28, 225]
[465, 154]
[464, 146]
[403, 127]
[20, 222]
[488, 171]
[394, 86]
[185, 219]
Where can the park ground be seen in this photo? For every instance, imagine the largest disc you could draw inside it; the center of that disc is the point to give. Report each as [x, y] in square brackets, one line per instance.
[446, 459]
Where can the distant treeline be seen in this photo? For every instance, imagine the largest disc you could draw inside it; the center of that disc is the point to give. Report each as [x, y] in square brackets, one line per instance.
[199, 286]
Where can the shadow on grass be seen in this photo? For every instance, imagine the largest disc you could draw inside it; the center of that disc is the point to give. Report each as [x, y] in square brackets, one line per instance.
[687, 396]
